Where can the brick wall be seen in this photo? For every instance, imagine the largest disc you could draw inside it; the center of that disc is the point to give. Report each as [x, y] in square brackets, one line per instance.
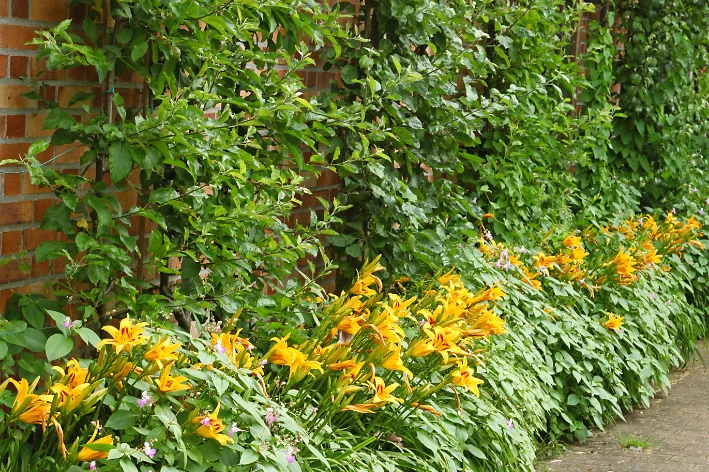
[22, 205]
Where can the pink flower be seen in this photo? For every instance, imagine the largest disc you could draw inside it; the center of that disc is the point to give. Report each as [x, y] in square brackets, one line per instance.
[219, 347]
[205, 421]
[234, 429]
[67, 322]
[92, 465]
[271, 416]
[653, 296]
[701, 211]
[510, 424]
[290, 454]
[149, 451]
[145, 400]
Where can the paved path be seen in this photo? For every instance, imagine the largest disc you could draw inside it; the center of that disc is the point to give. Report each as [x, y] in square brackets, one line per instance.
[677, 426]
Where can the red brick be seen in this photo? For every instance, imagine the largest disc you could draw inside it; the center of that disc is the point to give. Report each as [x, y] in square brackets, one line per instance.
[17, 37]
[59, 265]
[13, 150]
[35, 126]
[5, 296]
[76, 73]
[13, 184]
[2, 125]
[67, 93]
[49, 93]
[11, 272]
[15, 213]
[20, 8]
[327, 177]
[49, 10]
[33, 237]
[4, 13]
[127, 199]
[30, 189]
[10, 96]
[40, 206]
[70, 153]
[3, 65]
[16, 126]
[39, 268]
[38, 69]
[37, 287]
[11, 242]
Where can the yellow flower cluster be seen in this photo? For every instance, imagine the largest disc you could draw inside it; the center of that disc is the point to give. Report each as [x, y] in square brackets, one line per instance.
[645, 243]
[367, 340]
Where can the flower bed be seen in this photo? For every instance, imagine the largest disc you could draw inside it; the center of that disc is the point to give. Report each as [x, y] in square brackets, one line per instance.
[421, 374]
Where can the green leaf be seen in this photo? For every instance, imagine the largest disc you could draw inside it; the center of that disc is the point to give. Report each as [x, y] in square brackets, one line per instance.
[505, 41]
[120, 160]
[349, 74]
[48, 250]
[249, 456]
[89, 336]
[57, 317]
[58, 118]
[128, 466]
[63, 136]
[38, 147]
[354, 250]
[58, 346]
[12, 327]
[125, 35]
[34, 315]
[162, 195]
[58, 217]
[34, 340]
[139, 51]
[121, 419]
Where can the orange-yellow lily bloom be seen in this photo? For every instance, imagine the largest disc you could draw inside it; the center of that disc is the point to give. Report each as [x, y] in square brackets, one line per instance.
[87, 454]
[210, 426]
[28, 407]
[125, 337]
[463, 377]
[614, 322]
[168, 383]
[163, 351]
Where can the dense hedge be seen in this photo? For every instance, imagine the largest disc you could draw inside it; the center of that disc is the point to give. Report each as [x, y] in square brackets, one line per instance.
[504, 314]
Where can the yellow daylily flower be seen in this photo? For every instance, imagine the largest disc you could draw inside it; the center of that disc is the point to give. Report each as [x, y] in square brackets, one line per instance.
[301, 366]
[70, 398]
[614, 322]
[487, 324]
[571, 241]
[463, 377]
[168, 383]
[87, 454]
[393, 361]
[28, 407]
[361, 407]
[124, 338]
[427, 408]
[210, 426]
[162, 351]
[73, 375]
[362, 285]
[382, 392]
